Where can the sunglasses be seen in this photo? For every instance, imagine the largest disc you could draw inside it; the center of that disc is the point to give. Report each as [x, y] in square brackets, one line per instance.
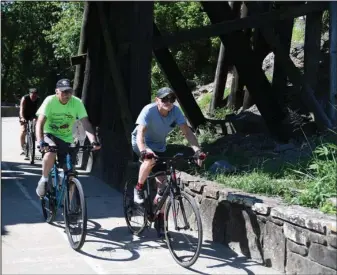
[170, 99]
[67, 92]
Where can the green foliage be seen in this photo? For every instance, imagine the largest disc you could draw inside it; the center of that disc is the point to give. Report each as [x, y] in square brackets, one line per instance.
[177, 137]
[219, 113]
[298, 31]
[321, 177]
[36, 52]
[325, 21]
[306, 181]
[257, 182]
[204, 101]
[196, 59]
[65, 34]
[310, 187]
[27, 58]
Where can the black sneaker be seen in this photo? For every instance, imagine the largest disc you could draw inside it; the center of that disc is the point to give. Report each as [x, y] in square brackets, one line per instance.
[138, 195]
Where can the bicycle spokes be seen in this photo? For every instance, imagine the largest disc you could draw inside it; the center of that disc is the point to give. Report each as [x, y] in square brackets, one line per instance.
[48, 203]
[135, 214]
[183, 230]
[75, 214]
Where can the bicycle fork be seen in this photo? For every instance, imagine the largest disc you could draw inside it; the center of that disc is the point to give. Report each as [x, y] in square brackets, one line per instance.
[175, 211]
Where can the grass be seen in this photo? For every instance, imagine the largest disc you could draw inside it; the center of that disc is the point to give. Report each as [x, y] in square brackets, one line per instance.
[259, 183]
[308, 182]
[219, 113]
[320, 176]
[298, 33]
[304, 180]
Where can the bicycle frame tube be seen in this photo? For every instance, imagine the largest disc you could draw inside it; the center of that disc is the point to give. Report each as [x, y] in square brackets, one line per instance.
[65, 179]
[58, 193]
[170, 188]
[158, 207]
[64, 185]
[148, 196]
[175, 192]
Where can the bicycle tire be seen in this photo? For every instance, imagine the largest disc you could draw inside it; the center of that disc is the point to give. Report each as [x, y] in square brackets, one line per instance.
[169, 242]
[129, 206]
[83, 232]
[27, 147]
[49, 199]
[32, 147]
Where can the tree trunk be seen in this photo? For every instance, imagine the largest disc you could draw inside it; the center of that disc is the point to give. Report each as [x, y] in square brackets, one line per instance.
[220, 79]
[294, 75]
[312, 53]
[284, 29]
[82, 48]
[236, 97]
[116, 75]
[250, 70]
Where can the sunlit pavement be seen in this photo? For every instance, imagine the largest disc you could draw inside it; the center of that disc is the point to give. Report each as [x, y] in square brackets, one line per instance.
[29, 245]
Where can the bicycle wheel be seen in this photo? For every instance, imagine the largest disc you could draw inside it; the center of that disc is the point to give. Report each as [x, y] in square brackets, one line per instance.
[184, 210]
[48, 202]
[135, 214]
[31, 141]
[27, 147]
[75, 214]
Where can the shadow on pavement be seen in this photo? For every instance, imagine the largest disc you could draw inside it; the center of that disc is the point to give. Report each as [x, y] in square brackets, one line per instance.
[121, 238]
[102, 200]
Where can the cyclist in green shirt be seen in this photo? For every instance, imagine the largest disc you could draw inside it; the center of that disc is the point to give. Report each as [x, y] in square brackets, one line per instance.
[56, 118]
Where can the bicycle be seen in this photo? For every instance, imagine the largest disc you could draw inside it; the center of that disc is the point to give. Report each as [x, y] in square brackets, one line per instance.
[30, 141]
[176, 198]
[67, 193]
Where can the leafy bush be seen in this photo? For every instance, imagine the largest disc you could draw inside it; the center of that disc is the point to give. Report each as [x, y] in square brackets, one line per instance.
[321, 177]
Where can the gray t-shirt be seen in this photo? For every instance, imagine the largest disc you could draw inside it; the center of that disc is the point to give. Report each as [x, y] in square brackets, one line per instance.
[157, 126]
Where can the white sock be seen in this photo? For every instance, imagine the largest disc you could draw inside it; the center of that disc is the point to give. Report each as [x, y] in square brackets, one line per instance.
[44, 179]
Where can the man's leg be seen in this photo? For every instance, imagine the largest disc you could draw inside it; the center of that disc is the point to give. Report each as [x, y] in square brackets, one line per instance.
[22, 137]
[47, 164]
[144, 171]
[161, 182]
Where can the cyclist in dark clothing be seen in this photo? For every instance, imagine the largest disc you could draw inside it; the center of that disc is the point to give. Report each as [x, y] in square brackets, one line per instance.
[28, 108]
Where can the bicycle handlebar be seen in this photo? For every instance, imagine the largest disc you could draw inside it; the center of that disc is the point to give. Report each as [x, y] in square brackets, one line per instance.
[79, 147]
[176, 157]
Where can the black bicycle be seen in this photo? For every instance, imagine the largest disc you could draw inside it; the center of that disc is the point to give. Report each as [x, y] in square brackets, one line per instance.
[30, 141]
[181, 212]
[67, 192]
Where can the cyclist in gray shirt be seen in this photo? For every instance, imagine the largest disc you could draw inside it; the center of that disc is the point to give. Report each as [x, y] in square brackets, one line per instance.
[154, 123]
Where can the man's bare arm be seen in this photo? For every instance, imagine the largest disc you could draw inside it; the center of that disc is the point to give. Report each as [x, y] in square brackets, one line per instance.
[39, 127]
[21, 107]
[190, 136]
[88, 129]
[141, 129]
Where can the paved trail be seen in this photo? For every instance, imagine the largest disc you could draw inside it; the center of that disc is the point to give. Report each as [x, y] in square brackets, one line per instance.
[30, 245]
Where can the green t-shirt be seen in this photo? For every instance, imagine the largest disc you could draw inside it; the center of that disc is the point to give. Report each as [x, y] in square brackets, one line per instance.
[61, 118]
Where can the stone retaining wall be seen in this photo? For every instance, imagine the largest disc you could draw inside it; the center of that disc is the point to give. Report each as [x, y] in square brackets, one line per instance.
[9, 111]
[291, 239]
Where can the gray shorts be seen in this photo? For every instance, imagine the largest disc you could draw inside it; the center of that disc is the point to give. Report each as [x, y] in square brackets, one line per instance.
[62, 149]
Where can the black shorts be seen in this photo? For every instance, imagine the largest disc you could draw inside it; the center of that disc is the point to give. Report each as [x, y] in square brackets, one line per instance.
[157, 167]
[62, 149]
